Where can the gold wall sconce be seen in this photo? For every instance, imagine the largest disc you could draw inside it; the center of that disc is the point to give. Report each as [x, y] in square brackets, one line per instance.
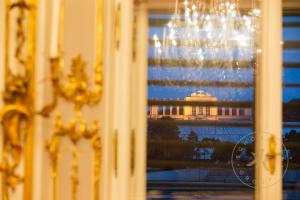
[76, 90]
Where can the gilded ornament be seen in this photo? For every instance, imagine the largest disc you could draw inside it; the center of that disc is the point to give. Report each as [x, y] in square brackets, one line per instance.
[16, 115]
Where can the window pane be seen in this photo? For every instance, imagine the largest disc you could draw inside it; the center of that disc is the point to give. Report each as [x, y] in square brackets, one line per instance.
[291, 113]
[212, 88]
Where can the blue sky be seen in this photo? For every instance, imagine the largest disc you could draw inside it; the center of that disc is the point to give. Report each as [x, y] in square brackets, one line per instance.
[216, 74]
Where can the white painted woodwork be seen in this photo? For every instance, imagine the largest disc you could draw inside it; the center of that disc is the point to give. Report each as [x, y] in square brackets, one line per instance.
[139, 103]
[109, 82]
[41, 64]
[269, 101]
[123, 65]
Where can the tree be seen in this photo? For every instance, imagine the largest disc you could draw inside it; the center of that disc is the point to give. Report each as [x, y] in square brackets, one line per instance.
[292, 114]
[168, 131]
[207, 139]
[165, 143]
[292, 143]
[293, 135]
[222, 151]
[193, 137]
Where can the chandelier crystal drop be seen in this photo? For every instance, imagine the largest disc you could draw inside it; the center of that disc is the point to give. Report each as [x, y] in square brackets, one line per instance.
[213, 32]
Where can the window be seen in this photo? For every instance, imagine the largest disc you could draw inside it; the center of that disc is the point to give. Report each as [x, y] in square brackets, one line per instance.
[220, 111]
[291, 102]
[207, 111]
[174, 110]
[160, 110]
[180, 81]
[167, 111]
[241, 112]
[172, 77]
[181, 110]
[193, 110]
[226, 111]
[200, 110]
[234, 111]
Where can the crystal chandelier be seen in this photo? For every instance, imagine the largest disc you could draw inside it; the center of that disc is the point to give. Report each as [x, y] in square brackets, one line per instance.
[209, 33]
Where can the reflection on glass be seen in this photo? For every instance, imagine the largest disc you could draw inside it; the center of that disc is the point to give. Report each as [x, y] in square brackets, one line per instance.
[291, 113]
[200, 103]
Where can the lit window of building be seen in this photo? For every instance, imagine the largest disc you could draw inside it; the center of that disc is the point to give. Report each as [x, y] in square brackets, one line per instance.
[174, 111]
[234, 112]
[241, 112]
[160, 110]
[168, 111]
[226, 111]
[208, 111]
[193, 110]
[199, 112]
[181, 110]
[220, 111]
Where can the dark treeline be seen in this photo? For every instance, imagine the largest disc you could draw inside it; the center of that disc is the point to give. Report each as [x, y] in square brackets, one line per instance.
[292, 113]
[165, 144]
[292, 143]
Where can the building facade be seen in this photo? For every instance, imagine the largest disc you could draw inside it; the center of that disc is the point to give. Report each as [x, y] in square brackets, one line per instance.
[199, 112]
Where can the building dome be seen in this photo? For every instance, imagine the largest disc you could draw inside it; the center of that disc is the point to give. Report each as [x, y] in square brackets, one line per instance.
[200, 93]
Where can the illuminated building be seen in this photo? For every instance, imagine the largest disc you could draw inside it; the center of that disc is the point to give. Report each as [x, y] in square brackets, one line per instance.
[199, 111]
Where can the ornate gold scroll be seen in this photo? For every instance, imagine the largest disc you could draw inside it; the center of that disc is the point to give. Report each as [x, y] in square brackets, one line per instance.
[75, 131]
[76, 90]
[18, 96]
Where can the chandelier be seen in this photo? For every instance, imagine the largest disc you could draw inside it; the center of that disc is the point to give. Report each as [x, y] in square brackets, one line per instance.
[211, 32]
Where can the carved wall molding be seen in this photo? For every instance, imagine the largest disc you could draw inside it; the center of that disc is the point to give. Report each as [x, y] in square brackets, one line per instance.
[75, 88]
[17, 115]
